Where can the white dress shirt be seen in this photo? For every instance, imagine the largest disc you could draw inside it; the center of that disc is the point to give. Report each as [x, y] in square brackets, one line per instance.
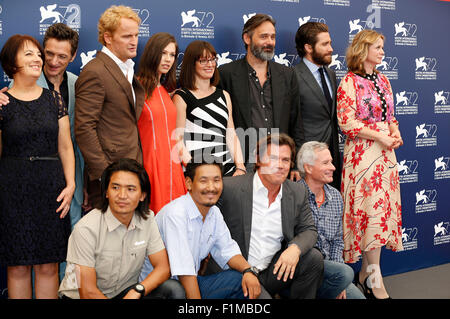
[266, 231]
[126, 67]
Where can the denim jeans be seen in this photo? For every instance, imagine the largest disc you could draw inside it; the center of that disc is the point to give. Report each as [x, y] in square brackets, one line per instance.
[337, 277]
[226, 284]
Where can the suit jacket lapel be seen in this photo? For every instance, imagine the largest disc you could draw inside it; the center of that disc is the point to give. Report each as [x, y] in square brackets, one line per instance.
[247, 211]
[241, 91]
[278, 93]
[334, 87]
[309, 79]
[118, 75]
[286, 207]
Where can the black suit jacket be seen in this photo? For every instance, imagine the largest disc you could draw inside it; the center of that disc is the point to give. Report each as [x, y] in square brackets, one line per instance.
[285, 96]
[319, 122]
[236, 205]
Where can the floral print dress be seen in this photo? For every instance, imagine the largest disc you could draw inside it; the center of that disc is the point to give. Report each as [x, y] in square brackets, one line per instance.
[370, 182]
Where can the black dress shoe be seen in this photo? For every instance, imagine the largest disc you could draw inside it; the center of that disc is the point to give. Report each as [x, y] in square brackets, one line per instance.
[368, 292]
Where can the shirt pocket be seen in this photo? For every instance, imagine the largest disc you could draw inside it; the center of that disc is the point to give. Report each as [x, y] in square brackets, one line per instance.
[107, 270]
[137, 257]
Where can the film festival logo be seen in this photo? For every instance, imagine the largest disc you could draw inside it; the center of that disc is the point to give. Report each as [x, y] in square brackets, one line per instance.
[408, 171]
[426, 201]
[372, 21]
[405, 34]
[86, 57]
[144, 27]
[285, 59]
[50, 14]
[339, 65]
[227, 57]
[197, 24]
[384, 4]
[388, 66]
[425, 68]
[441, 235]
[303, 20]
[337, 3]
[441, 102]
[426, 135]
[406, 103]
[441, 167]
[409, 238]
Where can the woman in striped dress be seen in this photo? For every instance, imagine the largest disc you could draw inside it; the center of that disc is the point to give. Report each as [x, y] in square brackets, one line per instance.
[204, 114]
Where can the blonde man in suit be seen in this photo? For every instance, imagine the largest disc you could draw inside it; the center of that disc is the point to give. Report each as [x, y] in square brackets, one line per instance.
[109, 99]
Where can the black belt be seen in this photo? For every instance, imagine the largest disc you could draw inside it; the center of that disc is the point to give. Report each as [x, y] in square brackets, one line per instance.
[35, 158]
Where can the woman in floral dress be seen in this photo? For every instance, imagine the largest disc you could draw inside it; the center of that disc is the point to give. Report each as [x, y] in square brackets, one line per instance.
[370, 183]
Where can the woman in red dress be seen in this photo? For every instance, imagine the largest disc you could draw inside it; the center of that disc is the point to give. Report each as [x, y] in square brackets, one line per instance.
[157, 123]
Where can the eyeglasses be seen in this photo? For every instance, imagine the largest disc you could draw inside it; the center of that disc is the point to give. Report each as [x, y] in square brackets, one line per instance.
[205, 61]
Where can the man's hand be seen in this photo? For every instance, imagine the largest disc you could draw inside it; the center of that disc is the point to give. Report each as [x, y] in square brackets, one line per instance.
[287, 262]
[342, 295]
[132, 294]
[251, 286]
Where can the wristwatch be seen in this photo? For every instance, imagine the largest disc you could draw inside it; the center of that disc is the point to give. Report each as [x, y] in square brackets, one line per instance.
[140, 289]
[253, 270]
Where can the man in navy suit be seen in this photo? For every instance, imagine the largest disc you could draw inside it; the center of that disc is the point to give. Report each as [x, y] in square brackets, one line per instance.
[264, 94]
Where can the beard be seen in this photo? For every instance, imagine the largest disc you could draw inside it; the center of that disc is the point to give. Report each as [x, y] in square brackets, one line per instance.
[321, 59]
[260, 53]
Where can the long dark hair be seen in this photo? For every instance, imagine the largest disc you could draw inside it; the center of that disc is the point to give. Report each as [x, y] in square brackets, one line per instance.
[149, 63]
[127, 165]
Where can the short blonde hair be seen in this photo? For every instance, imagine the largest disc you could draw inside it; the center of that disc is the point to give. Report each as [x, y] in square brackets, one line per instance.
[110, 20]
[358, 50]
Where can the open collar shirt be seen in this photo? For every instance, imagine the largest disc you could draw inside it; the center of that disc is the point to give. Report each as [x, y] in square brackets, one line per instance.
[126, 67]
[189, 239]
[328, 220]
[99, 240]
[266, 231]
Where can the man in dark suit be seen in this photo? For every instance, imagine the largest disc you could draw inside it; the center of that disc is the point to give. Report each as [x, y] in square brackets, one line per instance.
[264, 94]
[109, 99]
[317, 89]
[270, 219]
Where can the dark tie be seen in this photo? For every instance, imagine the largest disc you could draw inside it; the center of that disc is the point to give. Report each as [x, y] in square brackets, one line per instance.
[326, 91]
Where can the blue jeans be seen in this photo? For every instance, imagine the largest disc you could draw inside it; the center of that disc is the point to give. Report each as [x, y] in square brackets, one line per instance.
[226, 284]
[337, 277]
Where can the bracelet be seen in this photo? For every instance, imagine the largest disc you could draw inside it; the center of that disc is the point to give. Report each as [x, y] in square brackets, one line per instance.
[242, 169]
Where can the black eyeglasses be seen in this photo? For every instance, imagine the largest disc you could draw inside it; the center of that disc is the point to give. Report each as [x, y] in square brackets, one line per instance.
[205, 61]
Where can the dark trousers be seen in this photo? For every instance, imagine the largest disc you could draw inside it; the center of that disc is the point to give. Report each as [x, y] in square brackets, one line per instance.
[307, 277]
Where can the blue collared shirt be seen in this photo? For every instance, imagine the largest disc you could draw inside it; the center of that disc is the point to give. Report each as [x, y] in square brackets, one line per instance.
[189, 239]
[328, 220]
[315, 72]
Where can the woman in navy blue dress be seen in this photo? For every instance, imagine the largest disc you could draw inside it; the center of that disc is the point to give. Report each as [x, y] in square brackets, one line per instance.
[36, 174]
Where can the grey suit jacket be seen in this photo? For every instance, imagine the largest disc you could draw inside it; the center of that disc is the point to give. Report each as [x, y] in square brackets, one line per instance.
[236, 205]
[319, 123]
[106, 115]
[285, 96]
